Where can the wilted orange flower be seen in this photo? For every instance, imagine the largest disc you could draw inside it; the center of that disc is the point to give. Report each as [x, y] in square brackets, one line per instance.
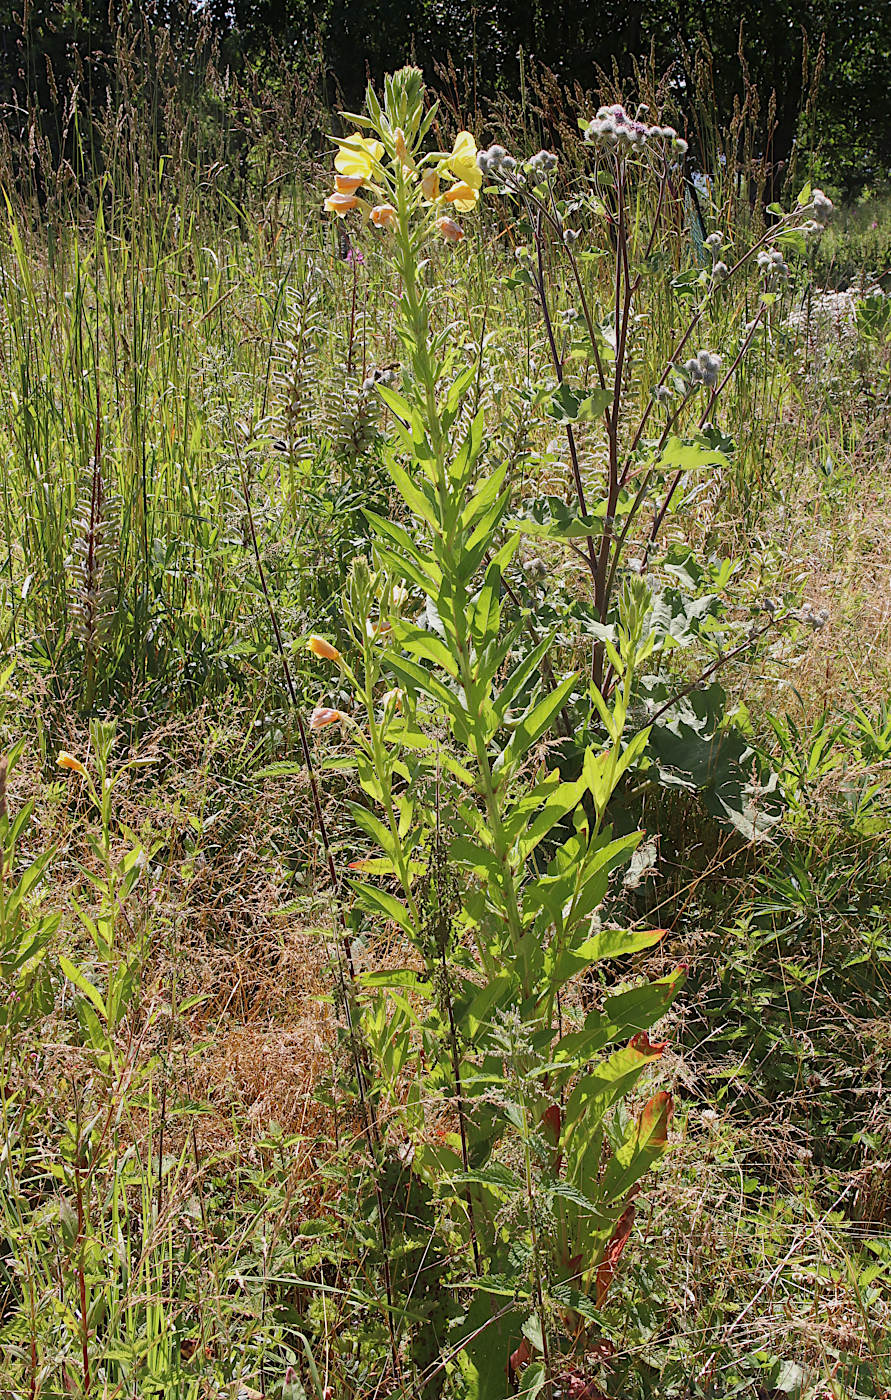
[383, 216]
[402, 154]
[462, 195]
[347, 184]
[430, 185]
[319, 647]
[393, 697]
[376, 629]
[67, 760]
[340, 204]
[451, 232]
[321, 716]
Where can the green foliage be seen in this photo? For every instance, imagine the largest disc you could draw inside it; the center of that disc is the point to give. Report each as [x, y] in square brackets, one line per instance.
[222, 424]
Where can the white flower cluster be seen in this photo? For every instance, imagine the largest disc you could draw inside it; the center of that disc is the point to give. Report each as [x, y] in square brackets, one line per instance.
[542, 164]
[772, 265]
[703, 368]
[816, 618]
[821, 206]
[613, 130]
[387, 377]
[497, 164]
[714, 243]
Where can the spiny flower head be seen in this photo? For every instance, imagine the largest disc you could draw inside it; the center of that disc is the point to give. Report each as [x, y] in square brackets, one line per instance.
[703, 368]
[614, 131]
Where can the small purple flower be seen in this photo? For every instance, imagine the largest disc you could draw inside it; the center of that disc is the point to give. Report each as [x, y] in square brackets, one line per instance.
[355, 257]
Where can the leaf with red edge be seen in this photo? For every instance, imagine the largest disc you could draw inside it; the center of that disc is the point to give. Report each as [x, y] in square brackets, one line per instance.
[644, 1144]
[654, 1121]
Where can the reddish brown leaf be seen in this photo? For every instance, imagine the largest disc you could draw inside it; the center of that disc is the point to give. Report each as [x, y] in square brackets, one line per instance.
[606, 1271]
[642, 1043]
[552, 1122]
[521, 1357]
[655, 1119]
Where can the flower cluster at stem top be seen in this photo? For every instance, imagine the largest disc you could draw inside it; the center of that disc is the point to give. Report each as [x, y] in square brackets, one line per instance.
[445, 183]
[613, 130]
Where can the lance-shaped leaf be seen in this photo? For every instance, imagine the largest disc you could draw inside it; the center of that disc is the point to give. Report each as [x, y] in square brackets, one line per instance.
[608, 943]
[531, 727]
[644, 1144]
[382, 902]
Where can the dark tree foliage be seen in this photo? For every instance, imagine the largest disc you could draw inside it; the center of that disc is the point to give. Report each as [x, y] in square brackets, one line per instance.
[46, 44]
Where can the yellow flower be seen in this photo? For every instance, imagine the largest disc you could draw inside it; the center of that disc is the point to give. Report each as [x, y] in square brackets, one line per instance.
[347, 184]
[462, 161]
[383, 216]
[319, 647]
[340, 204]
[67, 760]
[462, 195]
[451, 232]
[321, 716]
[430, 185]
[357, 156]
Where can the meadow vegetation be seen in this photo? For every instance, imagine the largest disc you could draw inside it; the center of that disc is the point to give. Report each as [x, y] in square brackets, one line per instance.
[444, 862]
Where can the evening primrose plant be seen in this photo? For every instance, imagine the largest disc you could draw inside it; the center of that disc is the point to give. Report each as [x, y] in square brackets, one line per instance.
[498, 1064]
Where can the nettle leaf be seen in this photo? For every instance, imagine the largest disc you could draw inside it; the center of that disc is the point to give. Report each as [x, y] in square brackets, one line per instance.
[497, 1177]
